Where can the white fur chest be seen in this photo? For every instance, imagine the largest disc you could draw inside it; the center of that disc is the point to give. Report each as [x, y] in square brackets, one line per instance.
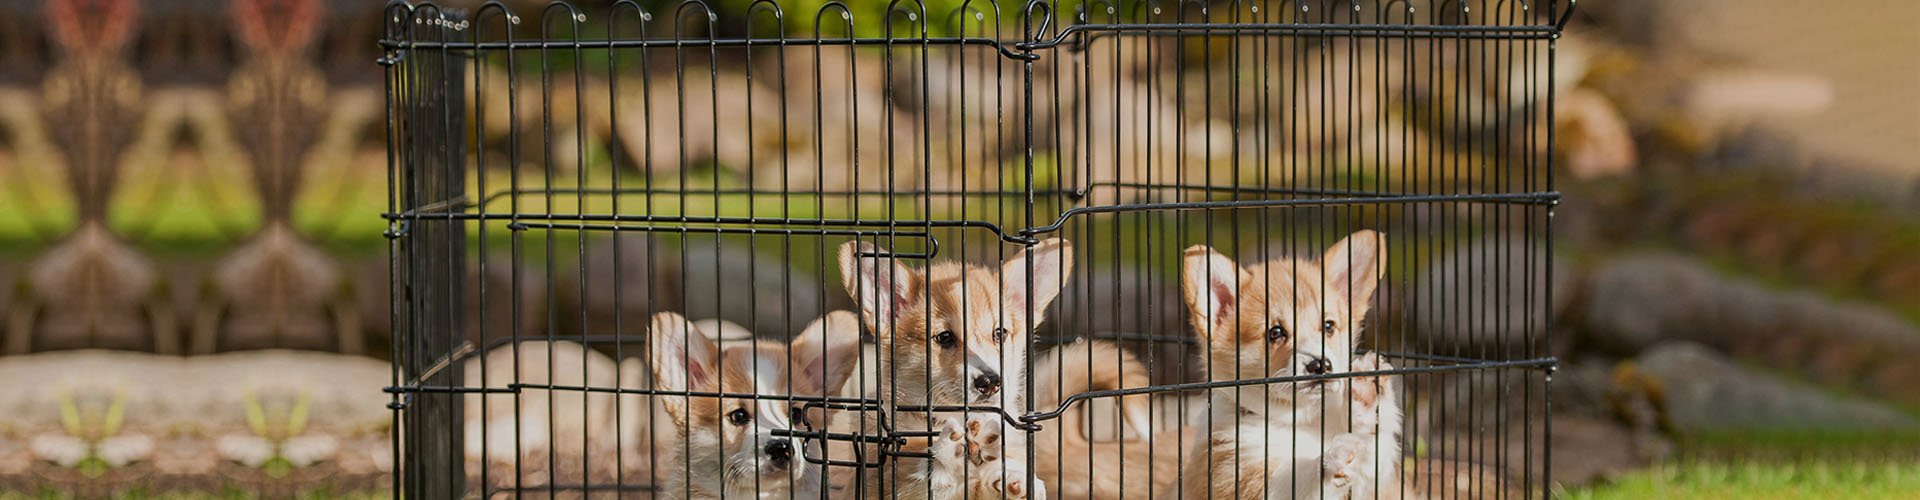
[1278, 453]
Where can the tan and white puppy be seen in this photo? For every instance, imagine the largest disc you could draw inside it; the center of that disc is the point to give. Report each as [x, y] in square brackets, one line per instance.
[949, 335]
[729, 445]
[1288, 317]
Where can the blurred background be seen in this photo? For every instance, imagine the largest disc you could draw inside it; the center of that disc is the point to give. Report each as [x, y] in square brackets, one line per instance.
[194, 284]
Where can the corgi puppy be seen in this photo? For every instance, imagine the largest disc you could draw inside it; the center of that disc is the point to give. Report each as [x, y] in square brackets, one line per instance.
[1289, 317]
[729, 446]
[953, 334]
[1069, 460]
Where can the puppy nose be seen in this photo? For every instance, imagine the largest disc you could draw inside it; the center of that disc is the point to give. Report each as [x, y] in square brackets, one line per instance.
[987, 383]
[780, 451]
[1319, 366]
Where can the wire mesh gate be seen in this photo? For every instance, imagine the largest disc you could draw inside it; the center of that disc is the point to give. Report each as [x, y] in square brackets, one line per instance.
[1236, 249]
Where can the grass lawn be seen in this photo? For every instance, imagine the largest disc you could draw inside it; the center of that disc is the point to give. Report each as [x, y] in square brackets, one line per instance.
[1761, 481]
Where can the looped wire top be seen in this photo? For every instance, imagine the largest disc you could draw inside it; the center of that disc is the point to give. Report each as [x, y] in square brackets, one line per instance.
[846, 15]
[1046, 21]
[713, 18]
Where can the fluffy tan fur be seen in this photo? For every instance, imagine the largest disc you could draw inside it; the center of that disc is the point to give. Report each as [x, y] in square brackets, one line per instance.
[1068, 460]
[519, 432]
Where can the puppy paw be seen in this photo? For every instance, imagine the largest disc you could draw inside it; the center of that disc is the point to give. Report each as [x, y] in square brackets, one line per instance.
[983, 442]
[1347, 459]
[1009, 479]
[949, 445]
[1369, 392]
[1366, 362]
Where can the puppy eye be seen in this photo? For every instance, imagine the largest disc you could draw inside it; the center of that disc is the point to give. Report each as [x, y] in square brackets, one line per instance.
[798, 415]
[946, 339]
[999, 335]
[1276, 334]
[1327, 327]
[739, 416]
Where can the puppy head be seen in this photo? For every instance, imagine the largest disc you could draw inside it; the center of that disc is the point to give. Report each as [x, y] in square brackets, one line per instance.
[733, 438]
[955, 333]
[1283, 317]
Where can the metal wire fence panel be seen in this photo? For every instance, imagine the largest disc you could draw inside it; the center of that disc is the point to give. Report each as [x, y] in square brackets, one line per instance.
[1075, 250]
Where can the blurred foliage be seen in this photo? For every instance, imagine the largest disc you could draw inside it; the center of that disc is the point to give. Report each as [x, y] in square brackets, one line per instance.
[1804, 445]
[1770, 225]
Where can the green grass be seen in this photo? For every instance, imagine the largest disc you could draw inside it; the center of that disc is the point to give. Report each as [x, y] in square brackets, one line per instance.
[1783, 463]
[1762, 481]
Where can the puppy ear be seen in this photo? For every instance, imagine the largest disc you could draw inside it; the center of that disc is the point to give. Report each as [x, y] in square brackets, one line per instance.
[883, 286]
[1353, 268]
[1051, 262]
[683, 360]
[1211, 284]
[825, 354]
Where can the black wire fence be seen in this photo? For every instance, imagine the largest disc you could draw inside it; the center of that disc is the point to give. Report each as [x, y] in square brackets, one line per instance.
[1082, 250]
